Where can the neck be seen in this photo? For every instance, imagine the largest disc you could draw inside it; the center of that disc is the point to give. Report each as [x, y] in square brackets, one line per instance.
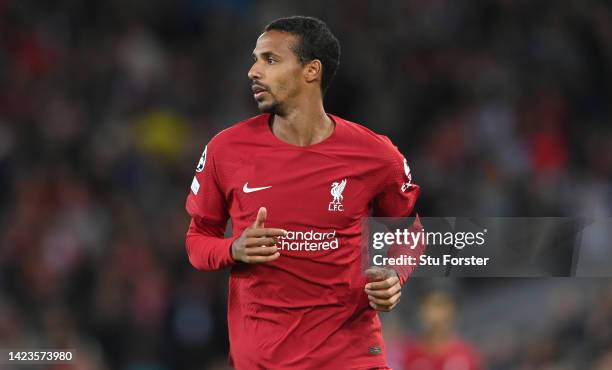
[438, 338]
[304, 124]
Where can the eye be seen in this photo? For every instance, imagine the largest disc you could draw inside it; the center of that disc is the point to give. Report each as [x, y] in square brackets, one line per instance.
[270, 60]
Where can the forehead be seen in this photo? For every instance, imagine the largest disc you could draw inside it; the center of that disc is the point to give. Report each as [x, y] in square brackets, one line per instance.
[274, 41]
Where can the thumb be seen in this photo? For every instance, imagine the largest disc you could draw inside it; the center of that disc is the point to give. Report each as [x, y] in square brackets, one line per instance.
[376, 274]
[261, 218]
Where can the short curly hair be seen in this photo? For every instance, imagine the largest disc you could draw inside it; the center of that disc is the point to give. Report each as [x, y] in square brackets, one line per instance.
[316, 41]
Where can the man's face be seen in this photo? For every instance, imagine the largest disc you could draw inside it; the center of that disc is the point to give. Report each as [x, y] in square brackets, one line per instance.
[276, 73]
[437, 316]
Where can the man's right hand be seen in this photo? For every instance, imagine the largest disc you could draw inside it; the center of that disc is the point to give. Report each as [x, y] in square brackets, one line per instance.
[257, 244]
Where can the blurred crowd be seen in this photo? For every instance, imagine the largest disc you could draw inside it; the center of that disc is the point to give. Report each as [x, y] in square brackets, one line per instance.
[551, 324]
[502, 108]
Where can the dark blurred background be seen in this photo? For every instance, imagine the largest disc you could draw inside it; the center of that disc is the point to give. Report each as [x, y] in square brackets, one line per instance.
[502, 108]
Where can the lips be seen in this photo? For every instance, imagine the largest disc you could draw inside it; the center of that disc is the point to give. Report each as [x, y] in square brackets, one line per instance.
[258, 91]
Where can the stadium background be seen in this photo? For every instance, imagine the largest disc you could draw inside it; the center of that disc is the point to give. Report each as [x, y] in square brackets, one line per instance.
[501, 107]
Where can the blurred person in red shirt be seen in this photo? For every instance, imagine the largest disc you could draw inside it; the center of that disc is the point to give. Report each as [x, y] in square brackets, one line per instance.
[439, 347]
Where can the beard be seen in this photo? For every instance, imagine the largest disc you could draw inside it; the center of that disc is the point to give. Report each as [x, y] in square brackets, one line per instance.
[273, 107]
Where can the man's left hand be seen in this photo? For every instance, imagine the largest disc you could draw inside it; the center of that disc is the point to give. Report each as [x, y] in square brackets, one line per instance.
[383, 288]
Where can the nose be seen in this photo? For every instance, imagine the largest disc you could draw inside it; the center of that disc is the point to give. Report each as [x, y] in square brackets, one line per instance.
[254, 73]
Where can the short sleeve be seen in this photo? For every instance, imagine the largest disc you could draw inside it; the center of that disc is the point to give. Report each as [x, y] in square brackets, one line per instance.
[206, 201]
[398, 194]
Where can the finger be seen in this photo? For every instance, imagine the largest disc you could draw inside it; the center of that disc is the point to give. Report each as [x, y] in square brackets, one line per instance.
[385, 302]
[260, 251]
[382, 308]
[375, 274]
[393, 305]
[261, 218]
[379, 307]
[261, 259]
[265, 232]
[259, 242]
[386, 293]
[385, 284]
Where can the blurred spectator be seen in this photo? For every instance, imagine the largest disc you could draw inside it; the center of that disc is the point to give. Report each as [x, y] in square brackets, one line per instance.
[439, 347]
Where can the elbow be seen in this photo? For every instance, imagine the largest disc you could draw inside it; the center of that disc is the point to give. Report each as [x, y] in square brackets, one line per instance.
[194, 263]
[207, 252]
[195, 259]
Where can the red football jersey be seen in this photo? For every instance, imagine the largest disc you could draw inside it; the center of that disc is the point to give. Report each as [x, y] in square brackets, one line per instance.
[456, 355]
[308, 308]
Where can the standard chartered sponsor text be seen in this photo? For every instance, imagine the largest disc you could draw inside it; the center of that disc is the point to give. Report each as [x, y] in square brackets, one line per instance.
[309, 241]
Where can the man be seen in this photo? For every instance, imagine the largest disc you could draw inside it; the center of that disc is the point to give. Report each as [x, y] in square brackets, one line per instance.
[296, 183]
[439, 347]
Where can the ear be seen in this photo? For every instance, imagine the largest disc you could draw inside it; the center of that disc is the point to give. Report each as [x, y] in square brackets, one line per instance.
[313, 70]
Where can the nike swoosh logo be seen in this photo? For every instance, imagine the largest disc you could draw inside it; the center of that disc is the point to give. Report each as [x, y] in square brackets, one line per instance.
[246, 188]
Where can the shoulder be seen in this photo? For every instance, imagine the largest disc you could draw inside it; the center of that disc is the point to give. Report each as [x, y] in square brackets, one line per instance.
[238, 132]
[363, 137]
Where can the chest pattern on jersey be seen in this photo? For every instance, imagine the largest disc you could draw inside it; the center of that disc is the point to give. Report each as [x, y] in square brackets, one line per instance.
[326, 201]
[317, 213]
